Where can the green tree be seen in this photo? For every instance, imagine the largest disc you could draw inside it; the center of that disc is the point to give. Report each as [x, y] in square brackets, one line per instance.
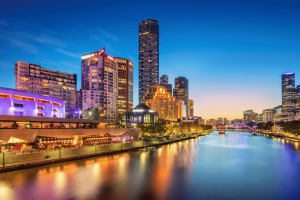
[87, 113]
[269, 125]
[292, 127]
[96, 114]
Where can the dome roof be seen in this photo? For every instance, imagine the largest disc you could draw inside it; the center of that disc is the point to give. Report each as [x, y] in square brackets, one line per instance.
[142, 106]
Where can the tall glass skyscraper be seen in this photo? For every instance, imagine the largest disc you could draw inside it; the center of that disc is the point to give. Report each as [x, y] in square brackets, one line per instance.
[181, 92]
[148, 55]
[288, 93]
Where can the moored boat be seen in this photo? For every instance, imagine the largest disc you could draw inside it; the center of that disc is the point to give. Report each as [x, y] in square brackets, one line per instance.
[222, 132]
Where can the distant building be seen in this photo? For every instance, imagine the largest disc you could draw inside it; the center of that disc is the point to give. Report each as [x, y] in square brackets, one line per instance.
[225, 121]
[191, 107]
[125, 87]
[268, 115]
[56, 84]
[210, 122]
[220, 121]
[99, 82]
[23, 103]
[278, 116]
[236, 121]
[288, 94]
[259, 118]
[246, 116]
[141, 114]
[181, 92]
[148, 55]
[166, 106]
[164, 79]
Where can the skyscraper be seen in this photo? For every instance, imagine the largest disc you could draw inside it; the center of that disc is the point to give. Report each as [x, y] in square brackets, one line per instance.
[60, 85]
[164, 82]
[99, 81]
[191, 106]
[164, 79]
[148, 55]
[125, 87]
[181, 92]
[288, 93]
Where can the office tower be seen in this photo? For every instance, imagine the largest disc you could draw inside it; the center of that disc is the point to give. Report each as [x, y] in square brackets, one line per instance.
[148, 55]
[191, 107]
[220, 121]
[165, 82]
[225, 121]
[125, 88]
[60, 85]
[164, 79]
[99, 81]
[268, 115]
[159, 100]
[288, 94]
[246, 116]
[181, 92]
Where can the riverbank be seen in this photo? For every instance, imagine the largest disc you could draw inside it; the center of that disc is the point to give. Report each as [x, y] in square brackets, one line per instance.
[10, 162]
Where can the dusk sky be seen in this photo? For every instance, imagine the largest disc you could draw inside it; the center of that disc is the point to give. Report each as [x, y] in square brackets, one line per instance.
[232, 52]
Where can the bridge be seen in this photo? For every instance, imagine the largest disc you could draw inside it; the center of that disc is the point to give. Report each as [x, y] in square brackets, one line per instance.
[233, 127]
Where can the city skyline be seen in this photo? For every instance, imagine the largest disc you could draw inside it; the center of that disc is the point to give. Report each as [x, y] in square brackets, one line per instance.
[229, 72]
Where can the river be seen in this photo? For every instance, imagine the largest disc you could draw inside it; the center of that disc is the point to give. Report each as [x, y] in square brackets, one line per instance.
[232, 166]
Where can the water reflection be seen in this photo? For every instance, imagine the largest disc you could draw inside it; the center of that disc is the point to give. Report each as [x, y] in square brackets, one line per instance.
[231, 166]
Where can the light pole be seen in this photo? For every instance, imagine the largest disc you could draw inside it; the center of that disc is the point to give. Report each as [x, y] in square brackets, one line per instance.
[79, 116]
[90, 113]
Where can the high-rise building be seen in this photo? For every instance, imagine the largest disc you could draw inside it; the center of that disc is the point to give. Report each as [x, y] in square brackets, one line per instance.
[181, 92]
[268, 115]
[246, 114]
[159, 100]
[220, 121]
[225, 121]
[125, 88]
[60, 85]
[288, 94]
[99, 81]
[148, 55]
[164, 79]
[191, 107]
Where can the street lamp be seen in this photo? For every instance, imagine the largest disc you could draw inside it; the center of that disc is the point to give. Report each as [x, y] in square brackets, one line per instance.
[79, 114]
[90, 113]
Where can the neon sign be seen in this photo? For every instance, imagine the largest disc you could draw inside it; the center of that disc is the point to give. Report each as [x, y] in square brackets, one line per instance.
[99, 53]
[110, 58]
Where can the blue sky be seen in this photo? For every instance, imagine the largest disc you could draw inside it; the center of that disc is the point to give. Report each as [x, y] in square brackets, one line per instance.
[232, 52]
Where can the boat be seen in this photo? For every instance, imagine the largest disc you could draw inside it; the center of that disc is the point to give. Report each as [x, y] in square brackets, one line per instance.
[222, 132]
[254, 133]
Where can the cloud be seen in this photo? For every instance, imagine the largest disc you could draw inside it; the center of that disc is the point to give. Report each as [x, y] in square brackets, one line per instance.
[3, 23]
[25, 46]
[48, 39]
[6, 64]
[108, 34]
[96, 38]
[65, 66]
[74, 55]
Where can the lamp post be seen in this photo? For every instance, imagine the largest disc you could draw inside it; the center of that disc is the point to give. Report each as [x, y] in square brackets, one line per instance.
[79, 116]
[90, 113]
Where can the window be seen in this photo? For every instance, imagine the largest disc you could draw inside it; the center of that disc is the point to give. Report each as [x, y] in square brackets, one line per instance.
[18, 113]
[54, 109]
[41, 114]
[57, 104]
[41, 107]
[44, 101]
[17, 97]
[6, 96]
[18, 105]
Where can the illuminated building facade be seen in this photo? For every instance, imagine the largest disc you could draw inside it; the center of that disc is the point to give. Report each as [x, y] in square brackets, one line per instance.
[141, 114]
[164, 81]
[125, 87]
[288, 94]
[181, 92]
[99, 81]
[23, 103]
[148, 55]
[191, 107]
[268, 115]
[56, 84]
[159, 100]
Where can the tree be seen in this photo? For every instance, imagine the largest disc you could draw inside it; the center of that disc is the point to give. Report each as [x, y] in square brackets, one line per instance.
[96, 114]
[261, 126]
[87, 113]
[269, 125]
[251, 124]
[292, 127]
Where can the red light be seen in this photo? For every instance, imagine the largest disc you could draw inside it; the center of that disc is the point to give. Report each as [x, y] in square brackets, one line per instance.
[110, 58]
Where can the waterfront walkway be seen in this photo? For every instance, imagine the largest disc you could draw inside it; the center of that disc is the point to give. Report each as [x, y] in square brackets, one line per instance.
[14, 161]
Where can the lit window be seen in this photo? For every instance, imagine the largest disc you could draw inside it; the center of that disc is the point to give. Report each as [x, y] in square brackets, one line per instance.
[41, 107]
[57, 104]
[5, 96]
[40, 114]
[44, 101]
[17, 97]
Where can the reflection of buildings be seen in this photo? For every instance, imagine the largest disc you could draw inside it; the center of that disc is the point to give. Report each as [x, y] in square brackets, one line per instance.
[181, 92]
[148, 55]
[22, 103]
[159, 100]
[141, 114]
[99, 81]
[125, 87]
[60, 85]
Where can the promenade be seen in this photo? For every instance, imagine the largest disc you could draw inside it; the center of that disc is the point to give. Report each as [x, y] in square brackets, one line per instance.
[20, 160]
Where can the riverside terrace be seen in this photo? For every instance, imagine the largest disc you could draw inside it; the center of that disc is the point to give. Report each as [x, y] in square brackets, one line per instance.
[24, 128]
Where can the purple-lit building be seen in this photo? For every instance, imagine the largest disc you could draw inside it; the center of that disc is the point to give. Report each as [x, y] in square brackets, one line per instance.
[22, 103]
